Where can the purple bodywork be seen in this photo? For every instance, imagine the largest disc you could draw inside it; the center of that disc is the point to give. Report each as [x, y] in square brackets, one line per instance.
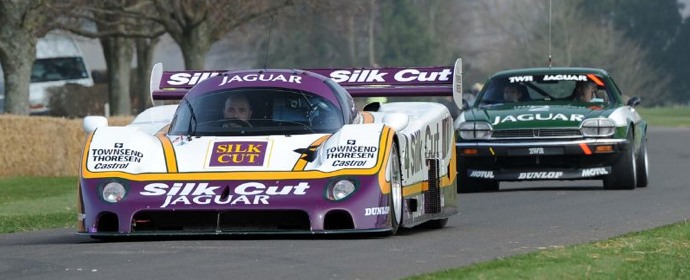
[162, 207]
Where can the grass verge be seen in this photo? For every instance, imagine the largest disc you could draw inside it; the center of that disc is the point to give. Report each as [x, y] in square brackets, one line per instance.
[661, 253]
[666, 116]
[33, 203]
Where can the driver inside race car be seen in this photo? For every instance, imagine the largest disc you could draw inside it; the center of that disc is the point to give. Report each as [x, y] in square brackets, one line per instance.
[237, 107]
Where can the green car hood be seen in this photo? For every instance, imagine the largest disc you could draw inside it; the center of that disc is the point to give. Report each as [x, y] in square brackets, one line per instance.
[526, 115]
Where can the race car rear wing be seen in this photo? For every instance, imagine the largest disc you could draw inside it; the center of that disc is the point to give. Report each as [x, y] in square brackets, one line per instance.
[359, 82]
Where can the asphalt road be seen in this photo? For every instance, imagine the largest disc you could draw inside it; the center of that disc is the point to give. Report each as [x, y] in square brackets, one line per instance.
[522, 217]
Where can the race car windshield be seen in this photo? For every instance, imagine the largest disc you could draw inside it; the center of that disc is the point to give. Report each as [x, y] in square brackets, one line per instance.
[257, 111]
[575, 90]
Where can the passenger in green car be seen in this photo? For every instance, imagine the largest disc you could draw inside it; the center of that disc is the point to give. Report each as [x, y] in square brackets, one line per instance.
[584, 91]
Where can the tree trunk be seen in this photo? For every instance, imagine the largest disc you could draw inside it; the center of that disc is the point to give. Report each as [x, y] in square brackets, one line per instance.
[17, 73]
[194, 45]
[372, 21]
[145, 48]
[118, 57]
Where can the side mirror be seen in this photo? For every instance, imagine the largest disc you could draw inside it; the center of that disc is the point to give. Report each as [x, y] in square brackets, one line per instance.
[634, 101]
[91, 123]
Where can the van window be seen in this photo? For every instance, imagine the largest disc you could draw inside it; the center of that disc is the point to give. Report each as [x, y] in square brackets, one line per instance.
[58, 69]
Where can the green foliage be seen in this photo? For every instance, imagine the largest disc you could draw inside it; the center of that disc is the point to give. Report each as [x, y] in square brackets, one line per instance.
[658, 27]
[654, 30]
[679, 63]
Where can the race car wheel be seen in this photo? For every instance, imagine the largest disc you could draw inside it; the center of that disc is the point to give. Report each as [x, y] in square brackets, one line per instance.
[395, 197]
[624, 171]
[642, 165]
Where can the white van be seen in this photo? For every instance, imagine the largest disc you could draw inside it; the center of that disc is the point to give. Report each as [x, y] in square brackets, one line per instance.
[59, 61]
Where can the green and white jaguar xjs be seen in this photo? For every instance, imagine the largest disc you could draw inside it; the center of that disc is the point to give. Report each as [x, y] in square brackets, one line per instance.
[551, 124]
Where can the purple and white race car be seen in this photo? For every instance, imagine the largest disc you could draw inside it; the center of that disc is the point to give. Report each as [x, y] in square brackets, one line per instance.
[302, 159]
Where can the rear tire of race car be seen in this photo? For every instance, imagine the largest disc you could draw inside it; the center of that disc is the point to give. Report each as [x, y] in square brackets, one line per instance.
[624, 171]
[642, 165]
[395, 198]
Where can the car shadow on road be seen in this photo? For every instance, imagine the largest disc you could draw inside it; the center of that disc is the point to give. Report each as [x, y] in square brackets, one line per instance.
[554, 188]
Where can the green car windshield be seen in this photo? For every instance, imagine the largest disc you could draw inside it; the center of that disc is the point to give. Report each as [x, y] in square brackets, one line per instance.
[576, 89]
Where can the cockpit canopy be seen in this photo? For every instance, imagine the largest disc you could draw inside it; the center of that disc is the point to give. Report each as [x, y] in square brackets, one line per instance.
[272, 111]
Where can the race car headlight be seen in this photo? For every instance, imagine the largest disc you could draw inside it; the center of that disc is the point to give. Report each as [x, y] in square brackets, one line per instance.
[598, 127]
[113, 192]
[340, 190]
[475, 130]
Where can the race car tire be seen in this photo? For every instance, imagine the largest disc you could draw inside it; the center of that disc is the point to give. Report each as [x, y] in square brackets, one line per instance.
[642, 165]
[395, 197]
[624, 171]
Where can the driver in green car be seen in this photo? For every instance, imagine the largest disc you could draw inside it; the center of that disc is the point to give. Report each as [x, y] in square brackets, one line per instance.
[515, 93]
[512, 93]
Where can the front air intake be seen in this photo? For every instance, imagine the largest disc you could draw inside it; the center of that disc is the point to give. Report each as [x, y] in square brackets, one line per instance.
[225, 221]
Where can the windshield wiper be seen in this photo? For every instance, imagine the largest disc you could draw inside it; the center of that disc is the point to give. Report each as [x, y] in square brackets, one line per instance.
[191, 130]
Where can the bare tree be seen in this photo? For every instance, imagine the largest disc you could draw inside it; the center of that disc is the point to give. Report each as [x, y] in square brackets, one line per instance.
[196, 24]
[574, 41]
[118, 25]
[21, 24]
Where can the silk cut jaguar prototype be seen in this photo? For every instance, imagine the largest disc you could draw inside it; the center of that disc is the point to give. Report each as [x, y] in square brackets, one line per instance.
[306, 160]
[552, 124]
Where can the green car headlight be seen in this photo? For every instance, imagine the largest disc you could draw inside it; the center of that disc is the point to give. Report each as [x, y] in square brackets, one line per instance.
[475, 130]
[599, 127]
